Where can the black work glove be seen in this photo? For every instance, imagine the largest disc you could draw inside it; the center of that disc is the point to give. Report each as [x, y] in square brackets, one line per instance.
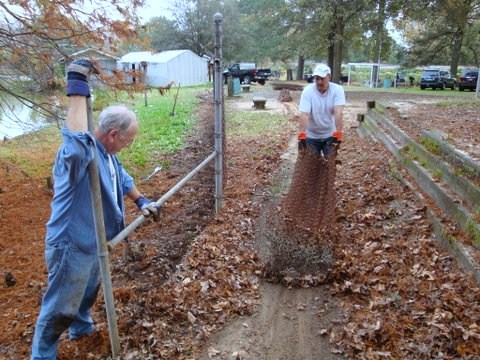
[302, 141]
[77, 77]
[148, 208]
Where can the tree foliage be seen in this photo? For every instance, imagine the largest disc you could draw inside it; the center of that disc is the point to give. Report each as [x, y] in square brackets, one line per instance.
[302, 31]
[443, 32]
[36, 36]
[194, 23]
[162, 34]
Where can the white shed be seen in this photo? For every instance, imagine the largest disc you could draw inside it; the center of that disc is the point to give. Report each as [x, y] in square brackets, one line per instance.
[180, 66]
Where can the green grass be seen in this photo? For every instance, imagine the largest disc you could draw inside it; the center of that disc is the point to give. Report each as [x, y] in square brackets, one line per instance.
[246, 124]
[450, 238]
[409, 153]
[437, 174]
[457, 102]
[28, 152]
[431, 145]
[395, 172]
[472, 229]
[254, 124]
[457, 96]
[161, 130]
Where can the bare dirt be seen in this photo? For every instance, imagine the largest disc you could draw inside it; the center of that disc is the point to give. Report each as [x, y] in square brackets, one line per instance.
[190, 286]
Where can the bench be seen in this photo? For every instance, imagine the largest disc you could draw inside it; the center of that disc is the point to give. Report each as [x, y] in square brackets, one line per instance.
[246, 88]
[259, 102]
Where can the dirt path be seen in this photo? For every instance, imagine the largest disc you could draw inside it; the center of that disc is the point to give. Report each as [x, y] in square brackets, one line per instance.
[376, 216]
[289, 323]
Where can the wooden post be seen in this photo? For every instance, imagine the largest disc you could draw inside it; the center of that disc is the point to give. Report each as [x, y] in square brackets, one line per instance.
[289, 74]
[230, 86]
[144, 66]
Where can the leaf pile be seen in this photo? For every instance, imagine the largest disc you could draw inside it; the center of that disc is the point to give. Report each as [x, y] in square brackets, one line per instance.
[404, 297]
[401, 295]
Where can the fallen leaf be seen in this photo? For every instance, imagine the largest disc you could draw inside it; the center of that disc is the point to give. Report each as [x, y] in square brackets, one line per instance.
[212, 352]
[191, 318]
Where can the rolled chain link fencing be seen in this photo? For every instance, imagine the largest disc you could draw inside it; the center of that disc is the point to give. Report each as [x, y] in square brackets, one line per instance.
[299, 229]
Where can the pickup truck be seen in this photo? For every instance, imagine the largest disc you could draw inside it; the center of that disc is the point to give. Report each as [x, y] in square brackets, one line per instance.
[247, 73]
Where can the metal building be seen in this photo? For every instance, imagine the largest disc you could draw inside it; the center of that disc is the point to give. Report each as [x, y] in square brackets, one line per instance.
[160, 69]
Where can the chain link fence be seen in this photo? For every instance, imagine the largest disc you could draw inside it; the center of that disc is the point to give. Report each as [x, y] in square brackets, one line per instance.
[298, 230]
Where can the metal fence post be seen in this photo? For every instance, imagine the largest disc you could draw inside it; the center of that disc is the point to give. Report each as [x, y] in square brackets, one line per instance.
[102, 249]
[218, 99]
[477, 89]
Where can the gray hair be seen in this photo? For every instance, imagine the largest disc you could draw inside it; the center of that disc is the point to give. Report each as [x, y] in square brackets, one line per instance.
[116, 117]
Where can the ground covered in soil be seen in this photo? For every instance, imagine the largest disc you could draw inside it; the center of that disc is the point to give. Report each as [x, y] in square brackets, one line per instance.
[190, 286]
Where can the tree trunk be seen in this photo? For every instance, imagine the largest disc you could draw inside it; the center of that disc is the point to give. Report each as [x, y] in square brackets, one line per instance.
[331, 48]
[300, 67]
[379, 39]
[338, 49]
[456, 52]
[289, 74]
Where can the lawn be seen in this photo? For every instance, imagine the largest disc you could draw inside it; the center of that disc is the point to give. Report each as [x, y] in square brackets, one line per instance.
[162, 130]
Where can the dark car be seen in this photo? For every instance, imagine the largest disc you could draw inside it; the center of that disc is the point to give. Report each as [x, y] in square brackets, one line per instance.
[468, 79]
[437, 79]
[309, 78]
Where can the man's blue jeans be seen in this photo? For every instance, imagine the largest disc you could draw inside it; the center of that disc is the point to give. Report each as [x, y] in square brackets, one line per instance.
[73, 284]
[321, 146]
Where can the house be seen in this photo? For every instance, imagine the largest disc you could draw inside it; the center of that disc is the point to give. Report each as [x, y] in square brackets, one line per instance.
[106, 62]
[183, 67]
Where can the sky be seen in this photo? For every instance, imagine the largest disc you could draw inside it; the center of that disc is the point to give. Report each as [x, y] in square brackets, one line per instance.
[155, 8]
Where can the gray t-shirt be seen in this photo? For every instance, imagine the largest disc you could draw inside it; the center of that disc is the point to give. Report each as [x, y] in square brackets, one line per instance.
[321, 122]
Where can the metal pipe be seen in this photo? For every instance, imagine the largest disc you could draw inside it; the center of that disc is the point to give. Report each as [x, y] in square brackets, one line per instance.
[102, 249]
[477, 90]
[139, 220]
[218, 100]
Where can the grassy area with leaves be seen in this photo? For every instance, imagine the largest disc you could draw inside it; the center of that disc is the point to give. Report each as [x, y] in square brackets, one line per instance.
[161, 131]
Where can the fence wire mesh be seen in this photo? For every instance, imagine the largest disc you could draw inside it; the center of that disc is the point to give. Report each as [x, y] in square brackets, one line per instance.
[298, 230]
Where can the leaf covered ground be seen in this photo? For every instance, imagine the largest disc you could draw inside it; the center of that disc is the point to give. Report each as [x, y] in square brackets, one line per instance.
[397, 293]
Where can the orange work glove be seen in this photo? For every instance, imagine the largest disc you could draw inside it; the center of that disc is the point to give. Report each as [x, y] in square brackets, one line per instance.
[337, 137]
[302, 141]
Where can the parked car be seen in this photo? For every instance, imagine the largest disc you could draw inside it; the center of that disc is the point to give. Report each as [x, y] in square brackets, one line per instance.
[437, 79]
[309, 78]
[468, 79]
[247, 73]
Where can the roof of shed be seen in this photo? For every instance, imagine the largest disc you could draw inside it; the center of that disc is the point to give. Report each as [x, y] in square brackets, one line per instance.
[94, 54]
[161, 57]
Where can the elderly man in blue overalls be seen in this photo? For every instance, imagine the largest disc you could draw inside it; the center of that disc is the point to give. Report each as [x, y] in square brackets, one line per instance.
[70, 244]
